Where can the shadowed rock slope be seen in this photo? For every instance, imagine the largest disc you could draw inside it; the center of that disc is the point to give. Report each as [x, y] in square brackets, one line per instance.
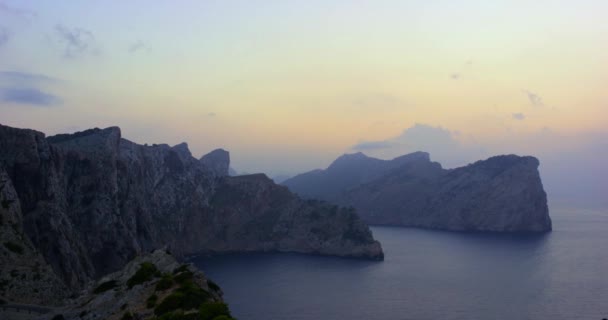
[91, 201]
[153, 286]
[502, 193]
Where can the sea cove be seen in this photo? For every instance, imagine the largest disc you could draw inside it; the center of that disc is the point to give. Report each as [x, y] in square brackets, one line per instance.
[431, 275]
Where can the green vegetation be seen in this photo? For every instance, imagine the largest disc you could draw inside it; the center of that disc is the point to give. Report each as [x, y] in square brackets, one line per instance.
[14, 247]
[146, 272]
[171, 303]
[213, 285]
[127, 316]
[189, 296]
[151, 302]
[214, 310]
[108, 285]
[164, 283]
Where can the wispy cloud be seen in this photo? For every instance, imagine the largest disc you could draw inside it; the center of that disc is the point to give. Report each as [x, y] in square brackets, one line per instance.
[138, 46]
[28, 96]
[77, 41]
[18, 77]
[465, 68]
[4, 36]
[518, 116]
[18, 87]
[17, 12]
[534, 99]
[441, 143]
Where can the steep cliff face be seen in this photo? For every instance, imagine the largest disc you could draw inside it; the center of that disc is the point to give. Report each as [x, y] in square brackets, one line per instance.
[24, 274]
[255, 214]
[502, 194]
[91, 201]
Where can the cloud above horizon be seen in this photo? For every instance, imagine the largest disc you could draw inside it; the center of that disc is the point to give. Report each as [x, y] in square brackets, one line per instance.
[4, 36]
[535, 99]
[518, 116]
[77, 41]
[138, 46]
[439, 142]
[18, 77]
[28, 96]
[17, 12]
[17, 87]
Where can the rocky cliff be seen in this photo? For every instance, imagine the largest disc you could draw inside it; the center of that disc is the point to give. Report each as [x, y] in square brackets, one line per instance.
[91, 201]
[503, 193]
[24, 274]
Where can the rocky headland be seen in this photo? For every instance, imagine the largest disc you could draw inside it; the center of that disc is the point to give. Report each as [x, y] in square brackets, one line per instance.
[77, 207]
[500, 194]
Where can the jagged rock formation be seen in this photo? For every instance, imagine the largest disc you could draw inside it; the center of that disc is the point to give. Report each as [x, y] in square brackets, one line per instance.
[503, 193]
[149, 286]
[91, 201]
[218, 161]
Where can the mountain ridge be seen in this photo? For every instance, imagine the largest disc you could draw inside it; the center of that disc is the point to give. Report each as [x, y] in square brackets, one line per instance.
[501, 193]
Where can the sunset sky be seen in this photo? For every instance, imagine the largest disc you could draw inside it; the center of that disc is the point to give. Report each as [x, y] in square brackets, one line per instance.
[287, 86]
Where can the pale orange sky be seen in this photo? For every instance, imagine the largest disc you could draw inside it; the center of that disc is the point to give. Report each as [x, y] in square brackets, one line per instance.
[287, 86]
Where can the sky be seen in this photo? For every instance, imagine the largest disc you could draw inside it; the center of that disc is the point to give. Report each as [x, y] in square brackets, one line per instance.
[288, 86]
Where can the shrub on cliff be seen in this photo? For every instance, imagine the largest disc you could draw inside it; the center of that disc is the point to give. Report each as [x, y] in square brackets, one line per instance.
[214, 310]
[146, 272]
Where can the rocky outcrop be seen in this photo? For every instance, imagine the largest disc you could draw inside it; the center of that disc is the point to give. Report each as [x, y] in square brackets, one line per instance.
[91, 201]
[218, 161]
[258, 215]
[502, 194]
[149, 286]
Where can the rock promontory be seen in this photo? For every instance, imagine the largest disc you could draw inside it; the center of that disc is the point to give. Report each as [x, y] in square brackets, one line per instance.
[89, 202]
[500, 194]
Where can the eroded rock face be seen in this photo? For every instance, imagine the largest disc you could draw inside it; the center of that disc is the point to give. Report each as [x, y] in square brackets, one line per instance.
[24, 274]
[503, 194]
[92, 200]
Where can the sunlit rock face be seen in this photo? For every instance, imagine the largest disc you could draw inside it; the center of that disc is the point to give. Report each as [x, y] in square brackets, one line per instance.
[502, 193]
[92, 200]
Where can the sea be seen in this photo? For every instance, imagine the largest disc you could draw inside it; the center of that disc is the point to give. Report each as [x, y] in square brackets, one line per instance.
[429, 274]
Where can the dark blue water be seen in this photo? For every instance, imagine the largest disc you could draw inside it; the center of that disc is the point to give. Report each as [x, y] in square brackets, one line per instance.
[431, 275]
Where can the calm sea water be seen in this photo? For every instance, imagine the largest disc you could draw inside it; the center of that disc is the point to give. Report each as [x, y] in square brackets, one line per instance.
[431, 275]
